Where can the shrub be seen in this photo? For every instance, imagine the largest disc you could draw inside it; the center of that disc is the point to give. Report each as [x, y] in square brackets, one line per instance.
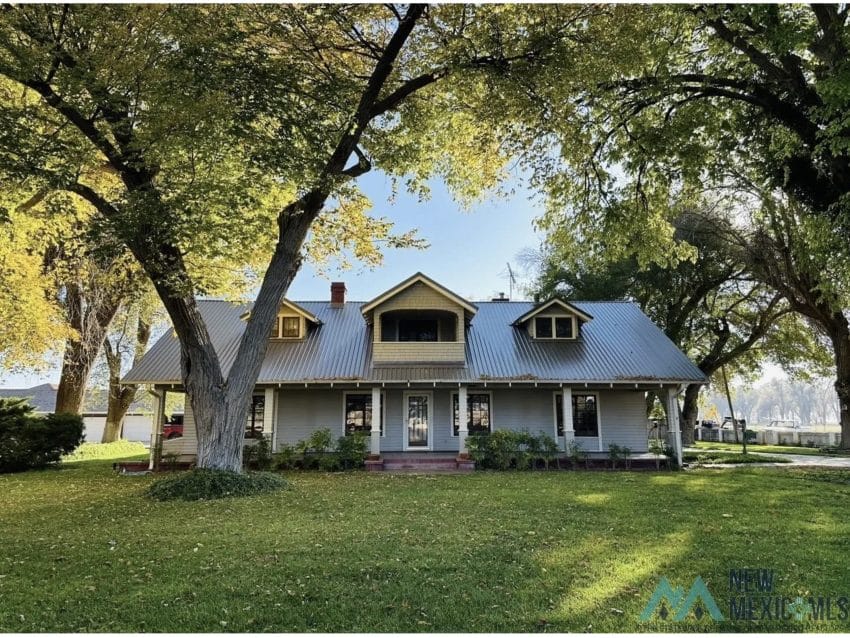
[351, 450]
[657, 447]
[504, 449]
[548, 449]
[576, 454]
[258, 455]
[29, 442]
[205, 484]
[285, 457]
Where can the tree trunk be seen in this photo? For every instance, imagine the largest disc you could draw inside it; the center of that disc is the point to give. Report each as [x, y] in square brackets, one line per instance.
[841, 347]
[120, 398]
[73, 380]
[90, 315]
[690, 411]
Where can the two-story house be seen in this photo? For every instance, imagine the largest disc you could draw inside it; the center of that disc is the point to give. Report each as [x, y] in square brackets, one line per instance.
[419, 368]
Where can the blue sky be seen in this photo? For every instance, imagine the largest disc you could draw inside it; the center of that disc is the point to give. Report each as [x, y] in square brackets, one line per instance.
[468, 253]
[468, 250]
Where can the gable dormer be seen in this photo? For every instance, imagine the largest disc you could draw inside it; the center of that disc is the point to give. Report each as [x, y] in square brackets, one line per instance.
[553, 320]
[293, 322]
[418, 321]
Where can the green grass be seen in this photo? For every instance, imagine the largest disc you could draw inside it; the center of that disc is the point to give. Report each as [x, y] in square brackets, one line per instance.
[83, 550]
[710, 457]
[769, 449]
[119, 450]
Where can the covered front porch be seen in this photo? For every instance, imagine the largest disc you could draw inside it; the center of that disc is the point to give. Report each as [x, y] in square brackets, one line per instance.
[434, 420]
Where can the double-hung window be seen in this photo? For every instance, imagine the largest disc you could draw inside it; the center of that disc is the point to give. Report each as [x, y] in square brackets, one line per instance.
[358, 413]
[479, 420]
[585, 415]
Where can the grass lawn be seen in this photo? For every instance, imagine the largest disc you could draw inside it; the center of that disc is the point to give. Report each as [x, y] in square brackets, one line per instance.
[82, 550]
[768, 449]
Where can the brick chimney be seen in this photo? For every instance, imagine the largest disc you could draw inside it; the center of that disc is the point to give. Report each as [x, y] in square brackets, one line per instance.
[337, 294]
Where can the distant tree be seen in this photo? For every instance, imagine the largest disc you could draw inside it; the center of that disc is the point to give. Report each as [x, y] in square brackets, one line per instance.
[710, 306]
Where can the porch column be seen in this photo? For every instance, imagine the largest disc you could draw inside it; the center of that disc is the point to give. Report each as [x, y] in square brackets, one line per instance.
[269, 416]
[463, 420]
[673, 422]
[567, 417]
[157, 421]
[377, 414]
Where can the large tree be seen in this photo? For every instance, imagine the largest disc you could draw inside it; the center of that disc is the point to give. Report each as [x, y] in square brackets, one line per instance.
[208, 115]
[709, 305]
[803, 259]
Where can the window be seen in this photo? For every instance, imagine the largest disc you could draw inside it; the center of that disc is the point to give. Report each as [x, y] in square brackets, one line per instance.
[563, 327]
[290, 327]
[417, 329]
[543, 327]
[358, 413]
[585, 415]
[479, 413]
[256, 415]
[554, 327]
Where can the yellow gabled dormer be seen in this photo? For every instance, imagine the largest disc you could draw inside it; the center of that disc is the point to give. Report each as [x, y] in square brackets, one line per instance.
[419, 321]
[553, 320]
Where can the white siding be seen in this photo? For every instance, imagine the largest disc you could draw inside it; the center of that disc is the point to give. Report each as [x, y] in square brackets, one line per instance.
[303, 411]
[186, 445]
[623, 419]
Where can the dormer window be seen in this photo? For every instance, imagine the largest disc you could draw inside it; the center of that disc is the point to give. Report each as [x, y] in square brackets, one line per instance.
[553, 319]
[290, 327]
[287, 327]
[554, 327]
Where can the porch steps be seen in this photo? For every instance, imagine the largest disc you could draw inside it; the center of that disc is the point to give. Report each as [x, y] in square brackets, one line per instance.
[422, 465]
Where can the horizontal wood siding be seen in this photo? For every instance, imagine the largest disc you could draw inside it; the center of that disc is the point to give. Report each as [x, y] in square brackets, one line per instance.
[301, 412]
[520, 409]
[624, 419]
[419, 297]
[186, 445]
[418, 351]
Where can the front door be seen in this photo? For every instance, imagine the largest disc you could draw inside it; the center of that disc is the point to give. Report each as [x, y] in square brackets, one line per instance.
[417, 426]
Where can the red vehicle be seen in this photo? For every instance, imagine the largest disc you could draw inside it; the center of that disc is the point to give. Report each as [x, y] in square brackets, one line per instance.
[173, 428]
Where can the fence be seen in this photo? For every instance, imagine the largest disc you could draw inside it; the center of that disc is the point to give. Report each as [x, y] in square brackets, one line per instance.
[773, 436]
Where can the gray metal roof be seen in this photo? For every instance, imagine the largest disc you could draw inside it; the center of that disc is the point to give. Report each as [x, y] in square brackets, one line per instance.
[620, 344]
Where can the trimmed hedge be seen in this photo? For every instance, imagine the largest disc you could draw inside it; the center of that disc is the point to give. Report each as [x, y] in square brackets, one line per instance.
[202, 484]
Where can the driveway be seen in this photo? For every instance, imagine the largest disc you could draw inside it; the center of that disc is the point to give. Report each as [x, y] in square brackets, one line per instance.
[797, 460]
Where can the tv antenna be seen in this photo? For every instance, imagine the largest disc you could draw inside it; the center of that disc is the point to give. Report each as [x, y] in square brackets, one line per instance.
[511, 281]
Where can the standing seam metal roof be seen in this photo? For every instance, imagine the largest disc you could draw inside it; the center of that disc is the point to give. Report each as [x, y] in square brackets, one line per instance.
[619, 344]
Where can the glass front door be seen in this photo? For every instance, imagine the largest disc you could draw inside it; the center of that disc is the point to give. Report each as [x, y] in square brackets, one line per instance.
[417, 435]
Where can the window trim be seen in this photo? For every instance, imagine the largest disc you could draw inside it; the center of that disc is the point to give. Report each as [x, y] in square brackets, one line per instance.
[279, 330]
[405, 407]
[554, 336]
[383, 410]
[594, 393]
[452, 396]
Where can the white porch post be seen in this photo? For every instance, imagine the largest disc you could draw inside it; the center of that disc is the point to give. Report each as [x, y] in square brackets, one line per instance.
[157, 421]
[463, 420]
[269, 416]
[673, 421]
[567, 417]
[377, 414]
